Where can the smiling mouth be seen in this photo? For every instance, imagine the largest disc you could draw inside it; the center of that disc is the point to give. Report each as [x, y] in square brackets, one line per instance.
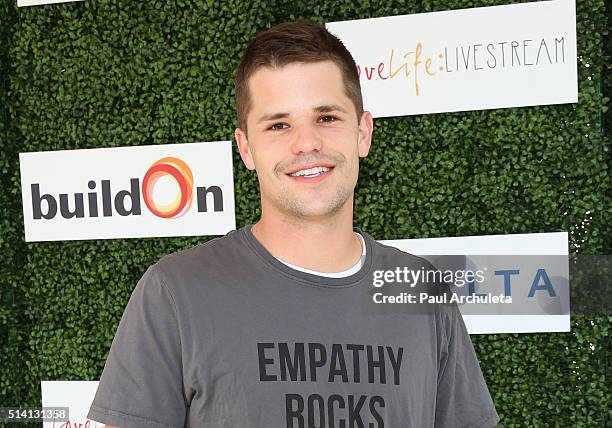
[310, 172]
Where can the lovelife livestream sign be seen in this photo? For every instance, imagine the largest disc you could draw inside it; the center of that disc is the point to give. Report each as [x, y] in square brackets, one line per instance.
[531, 268]
[21, 3]
[128, 192]
[469, 59]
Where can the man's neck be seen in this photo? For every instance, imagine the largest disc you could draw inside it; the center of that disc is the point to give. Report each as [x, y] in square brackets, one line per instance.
[325, 246]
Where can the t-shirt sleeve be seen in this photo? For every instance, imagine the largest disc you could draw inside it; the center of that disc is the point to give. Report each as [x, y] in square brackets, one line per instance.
[142, 383]
[462, 399]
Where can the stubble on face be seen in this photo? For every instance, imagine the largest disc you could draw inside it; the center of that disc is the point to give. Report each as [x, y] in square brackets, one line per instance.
[296, 96]
[309, 203]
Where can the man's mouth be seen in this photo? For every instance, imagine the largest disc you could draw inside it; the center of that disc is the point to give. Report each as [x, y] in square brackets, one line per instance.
[310, 172]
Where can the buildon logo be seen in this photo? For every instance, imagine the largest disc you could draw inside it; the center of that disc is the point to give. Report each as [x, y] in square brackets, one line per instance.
[180, 172]
[167, 192]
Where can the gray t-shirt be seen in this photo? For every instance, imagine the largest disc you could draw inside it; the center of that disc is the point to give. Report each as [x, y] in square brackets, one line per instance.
[226, 335]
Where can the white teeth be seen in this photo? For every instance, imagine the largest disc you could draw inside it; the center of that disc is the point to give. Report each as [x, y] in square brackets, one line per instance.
[311, 172]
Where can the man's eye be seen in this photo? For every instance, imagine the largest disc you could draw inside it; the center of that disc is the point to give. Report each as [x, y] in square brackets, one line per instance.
[279, 126]
[328, 118]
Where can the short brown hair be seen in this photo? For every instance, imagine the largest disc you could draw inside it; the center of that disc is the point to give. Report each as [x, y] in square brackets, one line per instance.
[290, 42]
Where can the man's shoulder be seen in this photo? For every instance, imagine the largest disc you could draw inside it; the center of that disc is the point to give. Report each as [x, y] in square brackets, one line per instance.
[390, 254]
[216, 254]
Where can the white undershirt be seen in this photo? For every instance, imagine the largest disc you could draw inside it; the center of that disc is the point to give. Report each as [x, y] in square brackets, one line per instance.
[342, 274]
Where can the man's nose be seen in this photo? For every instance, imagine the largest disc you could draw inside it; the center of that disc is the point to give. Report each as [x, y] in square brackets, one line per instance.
[306, 138]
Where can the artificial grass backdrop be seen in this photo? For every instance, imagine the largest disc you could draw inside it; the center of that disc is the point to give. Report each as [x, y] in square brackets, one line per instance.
[104, 73]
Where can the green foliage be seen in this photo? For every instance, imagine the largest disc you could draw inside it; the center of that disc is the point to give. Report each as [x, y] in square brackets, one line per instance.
[105, 73]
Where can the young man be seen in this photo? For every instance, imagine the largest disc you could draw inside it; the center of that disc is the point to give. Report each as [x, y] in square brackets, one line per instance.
[268, 325]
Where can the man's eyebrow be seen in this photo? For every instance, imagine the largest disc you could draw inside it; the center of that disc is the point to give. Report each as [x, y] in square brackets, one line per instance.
[319, 109]
[329, 107]
[272, 116]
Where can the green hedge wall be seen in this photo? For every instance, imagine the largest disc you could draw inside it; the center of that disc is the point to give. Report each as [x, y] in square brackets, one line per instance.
[105, 73]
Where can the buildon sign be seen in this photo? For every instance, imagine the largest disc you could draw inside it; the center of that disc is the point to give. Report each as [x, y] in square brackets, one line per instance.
[470, 59]
[128, 192]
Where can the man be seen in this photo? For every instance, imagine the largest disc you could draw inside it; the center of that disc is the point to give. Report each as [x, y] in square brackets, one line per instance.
[267, 326]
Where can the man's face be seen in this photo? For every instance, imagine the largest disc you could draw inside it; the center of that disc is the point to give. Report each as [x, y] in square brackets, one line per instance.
[304, 139]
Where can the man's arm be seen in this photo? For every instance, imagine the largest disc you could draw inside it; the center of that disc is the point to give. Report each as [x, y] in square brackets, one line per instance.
[463, 398]
[142, 382]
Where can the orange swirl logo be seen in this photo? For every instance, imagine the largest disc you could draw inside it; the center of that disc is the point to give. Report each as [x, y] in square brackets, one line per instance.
[180, 172]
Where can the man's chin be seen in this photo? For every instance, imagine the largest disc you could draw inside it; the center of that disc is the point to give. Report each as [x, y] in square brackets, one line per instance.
[313, 210]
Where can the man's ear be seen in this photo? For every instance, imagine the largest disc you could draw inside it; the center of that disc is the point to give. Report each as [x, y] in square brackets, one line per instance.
[244, 148]
[366, 126]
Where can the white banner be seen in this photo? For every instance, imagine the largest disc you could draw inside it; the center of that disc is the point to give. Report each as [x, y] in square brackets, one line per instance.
[21, 3]
[76, 395]
[128, 192]
[469, 59]
[520, 277]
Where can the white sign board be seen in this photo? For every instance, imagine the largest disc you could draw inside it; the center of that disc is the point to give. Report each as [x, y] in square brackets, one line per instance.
[76, 395]
[544, 245]
[128, 192]
[469, 59]
[21, 3]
